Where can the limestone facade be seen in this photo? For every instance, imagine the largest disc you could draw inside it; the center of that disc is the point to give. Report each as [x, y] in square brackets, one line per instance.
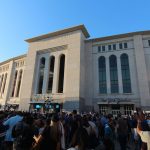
[77, 59]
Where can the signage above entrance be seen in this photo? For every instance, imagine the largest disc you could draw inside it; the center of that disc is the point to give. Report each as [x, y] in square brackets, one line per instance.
[40, 97]
[114, 100]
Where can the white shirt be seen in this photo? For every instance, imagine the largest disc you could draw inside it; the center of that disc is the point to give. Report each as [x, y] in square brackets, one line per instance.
[145, 136]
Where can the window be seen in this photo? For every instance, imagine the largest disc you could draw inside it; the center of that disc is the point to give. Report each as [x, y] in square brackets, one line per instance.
[109, 47]
[17, 64]
[103, 48]
[19, 84]
[21, 63]
[114, 46]
[61, 74]
[102, 75]
[51, 74]
[125, 73]
[113, 74]
[125, 45]
[148, 42]
[2, 77]
[120, 46]
[4, 83]
[99, 48]
[14, 84]
[41, 75]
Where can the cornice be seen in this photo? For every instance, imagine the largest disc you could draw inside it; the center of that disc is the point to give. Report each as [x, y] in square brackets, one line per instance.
[125, 35]
[60, 32]
[13, 59]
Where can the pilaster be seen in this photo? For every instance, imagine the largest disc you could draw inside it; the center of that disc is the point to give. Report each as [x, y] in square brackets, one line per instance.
[108, 75]
[8, 82]
[119, 75]
[46, 73]
[56, 75]
[17, 81]
[141, 71]
[2, 83]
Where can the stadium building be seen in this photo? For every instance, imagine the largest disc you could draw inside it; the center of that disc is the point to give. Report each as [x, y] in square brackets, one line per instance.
[68, 70]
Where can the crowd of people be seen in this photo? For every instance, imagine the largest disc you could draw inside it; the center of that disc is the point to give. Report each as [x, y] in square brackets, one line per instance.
[73, 131]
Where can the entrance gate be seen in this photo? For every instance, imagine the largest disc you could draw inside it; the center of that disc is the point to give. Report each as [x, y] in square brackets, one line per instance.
[115, 109]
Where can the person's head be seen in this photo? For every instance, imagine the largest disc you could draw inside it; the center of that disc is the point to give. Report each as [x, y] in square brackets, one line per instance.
[18, 113]
[74, 112]
[85, 122]
[80, 139]
[28, 119]
[39, 123]
[55, 118]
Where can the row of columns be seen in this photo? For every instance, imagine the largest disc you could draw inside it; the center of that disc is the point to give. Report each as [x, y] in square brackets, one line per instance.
[46, 74]
[3, 80]
[119, 75]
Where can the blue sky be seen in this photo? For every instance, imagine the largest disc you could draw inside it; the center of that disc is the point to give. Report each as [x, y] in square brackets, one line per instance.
[22, 19]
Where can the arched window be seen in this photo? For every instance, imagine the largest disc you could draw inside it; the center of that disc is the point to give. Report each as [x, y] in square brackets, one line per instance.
[113, 74]
[41, 75]
[61, 74]
[102, 75]
[4, 83]
[51, 74]
[125, 73]
[19, 83]
[1, 82]
[14, 84]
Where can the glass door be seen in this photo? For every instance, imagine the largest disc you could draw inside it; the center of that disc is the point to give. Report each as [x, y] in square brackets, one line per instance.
[115, 109]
